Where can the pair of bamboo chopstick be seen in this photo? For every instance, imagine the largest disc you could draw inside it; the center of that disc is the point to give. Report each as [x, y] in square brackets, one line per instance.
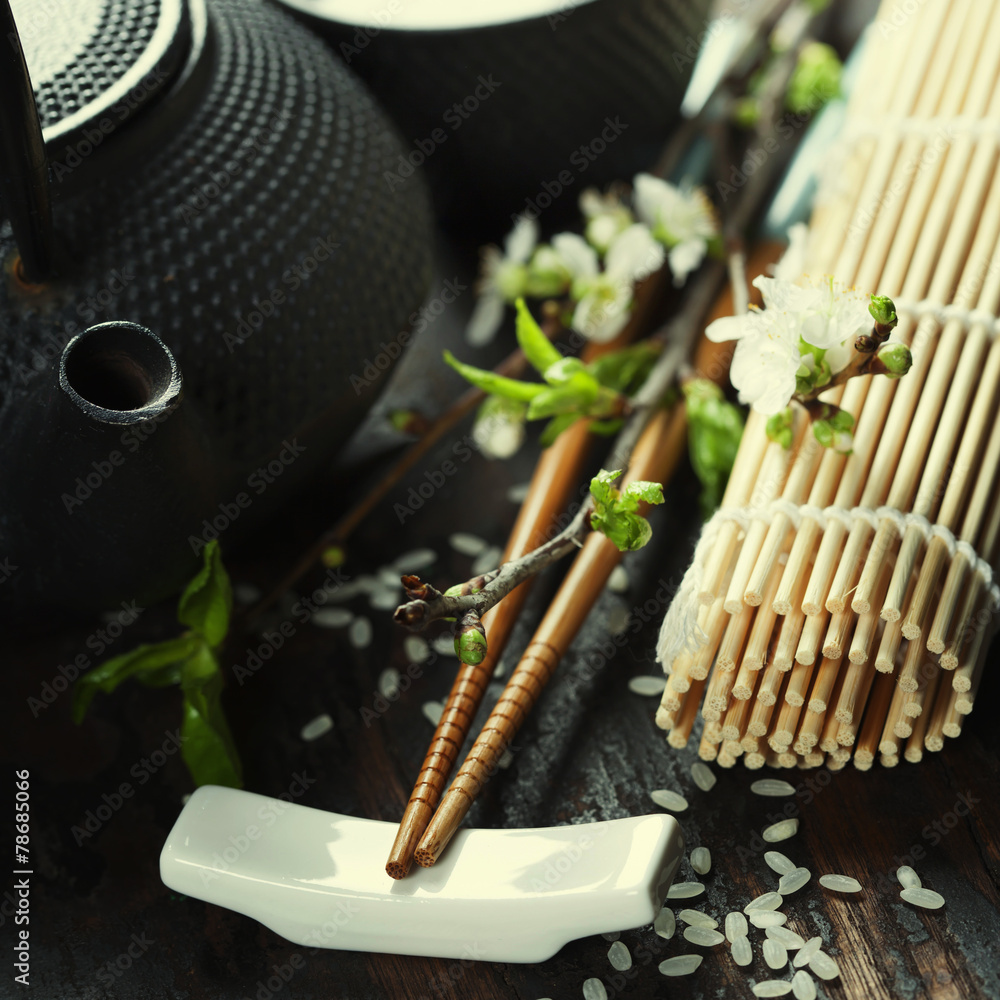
[805, 661]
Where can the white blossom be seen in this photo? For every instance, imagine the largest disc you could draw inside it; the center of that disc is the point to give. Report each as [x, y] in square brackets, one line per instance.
[681, 218]
[605, 298]
[503, 279]
[799, 328]
[606, 216]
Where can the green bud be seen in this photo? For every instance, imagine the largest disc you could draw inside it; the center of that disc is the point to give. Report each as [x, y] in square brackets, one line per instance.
[547, 275]
[511, 279]
[815, 79]
[883, 310]
[829, 435]
[779, 427]
[470, 640]
[896, 359]
[333, 556]
[746, 112]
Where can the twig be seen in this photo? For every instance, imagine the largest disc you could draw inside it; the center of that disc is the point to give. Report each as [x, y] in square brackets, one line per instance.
[514, 364]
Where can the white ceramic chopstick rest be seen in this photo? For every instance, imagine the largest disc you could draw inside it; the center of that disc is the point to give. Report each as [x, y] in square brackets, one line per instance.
[318, 878]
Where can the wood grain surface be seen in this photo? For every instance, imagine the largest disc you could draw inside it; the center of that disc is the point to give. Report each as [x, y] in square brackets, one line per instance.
[589, 751]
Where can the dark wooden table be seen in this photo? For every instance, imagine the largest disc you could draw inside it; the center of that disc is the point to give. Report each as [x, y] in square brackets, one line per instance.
[103, 925]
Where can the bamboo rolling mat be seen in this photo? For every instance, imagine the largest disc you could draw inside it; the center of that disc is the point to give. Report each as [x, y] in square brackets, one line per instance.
[840, 607]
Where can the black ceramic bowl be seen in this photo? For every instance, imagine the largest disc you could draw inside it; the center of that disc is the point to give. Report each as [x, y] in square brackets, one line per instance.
[514, 106]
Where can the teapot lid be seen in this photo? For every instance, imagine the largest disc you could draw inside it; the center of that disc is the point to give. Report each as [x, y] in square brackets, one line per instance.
[95, 63]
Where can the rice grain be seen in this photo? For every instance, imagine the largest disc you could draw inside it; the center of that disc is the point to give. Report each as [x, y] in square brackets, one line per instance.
[698, 919]
[793, 881]
[767, 918]
[318, 727]
[360, 633]
[620, 957]
[466, 544]
[680, 965]
[685, 890]
[736, 925]
[772, 988]
[667, 799]
[665, 924]
[803, 987]
[703, 936]
[926, 898]
[742, 951]
[807, 951]
[701, 860]
[781, 830]
[416, 649]
[840, 883]
[772, 787]
[775, 956]
[766, 901]
[908, 878]
[786, 938]
[410, 562]
[778, 863]
[593, 989]
[703, 776]
[824, 966]
[647, 685]
[332, 617]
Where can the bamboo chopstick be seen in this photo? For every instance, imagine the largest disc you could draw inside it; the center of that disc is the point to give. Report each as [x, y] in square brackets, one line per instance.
[658, 450]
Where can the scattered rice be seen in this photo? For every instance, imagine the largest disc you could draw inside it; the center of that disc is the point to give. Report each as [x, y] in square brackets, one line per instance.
[518, 492]
[703, 776]
[736, 925]
[775, 956]
[698, 919]
[665, 925]
[385, 599]
[680, 965]
[908, 878]
[703, 936]
[647, 685]
[410, 562]
[781, 830]
[316, 728]
[466, 544]
[348, 590]
[927, 898]
[360, 633]
[772, 787]
[487, 560]
[246, 593]
[444, 644]
[793, 881]
[332, 617]
[701, 860]
[840, 883]
[367, 584]
[416, 649]
[612, 936]
[802, 986]
[824, 966]
[388, 682]
[618, 580]
[766, 901]
[667, 799]
[506, 759]
[786, 938]
[685, 890]
[620, 957]
[767, 918]
[778, 863]
[388, 577]
[772, 988]
[433, 710]
[807, 952]
[593, 989]
[618, 620]
[742, 951]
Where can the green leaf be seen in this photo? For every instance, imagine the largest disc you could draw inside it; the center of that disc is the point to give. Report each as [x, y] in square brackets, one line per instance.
[615, 512]
[496, 385]
[644, 491]
[147, 658]
[207, 600]
[779, 427]
[625, 370]
[571, 397]
[561, 371]
[605, 428]
[538, 349]
[207, 744]
[715, 427]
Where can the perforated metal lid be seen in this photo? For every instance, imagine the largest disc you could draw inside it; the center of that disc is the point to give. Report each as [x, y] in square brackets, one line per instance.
[95, 63]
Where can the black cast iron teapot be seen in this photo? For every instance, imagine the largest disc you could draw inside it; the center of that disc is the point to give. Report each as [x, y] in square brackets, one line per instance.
[199, 251]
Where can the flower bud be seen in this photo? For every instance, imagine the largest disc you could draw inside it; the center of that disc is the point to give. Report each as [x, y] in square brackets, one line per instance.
[896, 359]
[470, 639]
